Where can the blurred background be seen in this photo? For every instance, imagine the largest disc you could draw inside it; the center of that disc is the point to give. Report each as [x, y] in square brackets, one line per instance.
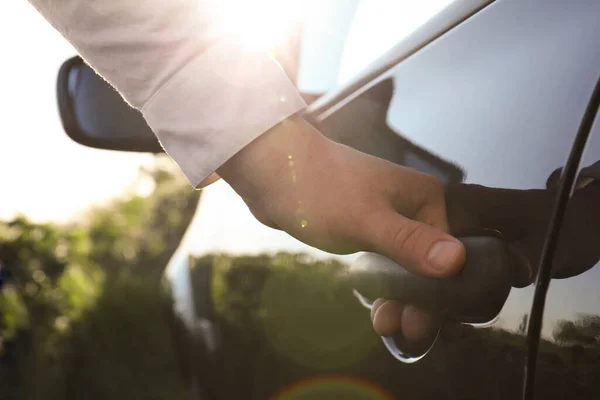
[84, 237]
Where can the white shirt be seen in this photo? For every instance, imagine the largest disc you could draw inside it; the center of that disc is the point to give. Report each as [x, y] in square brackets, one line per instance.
[203, 94]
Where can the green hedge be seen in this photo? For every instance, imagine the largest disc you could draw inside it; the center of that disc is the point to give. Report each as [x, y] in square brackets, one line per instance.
[83, 314]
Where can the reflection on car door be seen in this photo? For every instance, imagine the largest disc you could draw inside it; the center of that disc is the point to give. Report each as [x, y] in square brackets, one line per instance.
[504, 109]
[493, 106]
[569, 361]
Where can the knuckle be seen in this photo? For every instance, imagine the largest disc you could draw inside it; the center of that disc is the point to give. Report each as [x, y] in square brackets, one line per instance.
[406, 236]
[433, 185]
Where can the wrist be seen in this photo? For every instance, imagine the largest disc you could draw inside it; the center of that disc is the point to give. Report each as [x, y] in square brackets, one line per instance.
[273, 159]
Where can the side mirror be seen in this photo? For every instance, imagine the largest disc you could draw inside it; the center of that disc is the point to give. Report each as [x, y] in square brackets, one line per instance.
[95, 115]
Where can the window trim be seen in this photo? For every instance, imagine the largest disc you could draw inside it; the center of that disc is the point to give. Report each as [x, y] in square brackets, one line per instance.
[451, 16]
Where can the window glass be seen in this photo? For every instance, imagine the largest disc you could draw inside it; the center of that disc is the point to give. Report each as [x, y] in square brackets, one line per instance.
[342, 37]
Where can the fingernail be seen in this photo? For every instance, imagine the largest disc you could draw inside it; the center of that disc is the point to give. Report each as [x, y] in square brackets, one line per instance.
[443, 255]
[376, 304]
[387, 318]
[416, 323]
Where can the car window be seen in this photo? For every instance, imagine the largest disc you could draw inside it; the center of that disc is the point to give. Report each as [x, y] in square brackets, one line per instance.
[342, 37]
[491, 108]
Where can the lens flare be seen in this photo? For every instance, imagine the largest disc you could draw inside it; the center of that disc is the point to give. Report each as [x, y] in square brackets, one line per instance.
[333, 387]
[262, 24]
[315, 321]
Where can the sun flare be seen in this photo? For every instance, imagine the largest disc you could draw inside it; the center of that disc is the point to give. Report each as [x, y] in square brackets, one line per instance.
[263, 24]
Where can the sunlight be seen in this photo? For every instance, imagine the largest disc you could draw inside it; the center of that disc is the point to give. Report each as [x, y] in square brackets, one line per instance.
[262, 24]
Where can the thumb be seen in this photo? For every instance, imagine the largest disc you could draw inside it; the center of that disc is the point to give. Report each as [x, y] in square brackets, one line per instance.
[417, 247]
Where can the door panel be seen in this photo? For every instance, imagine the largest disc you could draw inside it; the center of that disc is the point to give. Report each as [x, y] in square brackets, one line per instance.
[501, 97]
[569, 362]
[491, 108]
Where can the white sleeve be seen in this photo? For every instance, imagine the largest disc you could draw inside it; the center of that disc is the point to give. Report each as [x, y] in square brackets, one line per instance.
[203, 94]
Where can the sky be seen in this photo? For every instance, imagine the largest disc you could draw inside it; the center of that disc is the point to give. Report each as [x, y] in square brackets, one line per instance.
[44, 174]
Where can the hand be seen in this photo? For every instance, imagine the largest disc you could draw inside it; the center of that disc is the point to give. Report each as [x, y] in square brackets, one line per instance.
[523, 217]
[343, 201]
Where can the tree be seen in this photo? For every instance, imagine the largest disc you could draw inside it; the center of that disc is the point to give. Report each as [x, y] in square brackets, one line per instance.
[585, 330]
[523, 325]
[84, 299]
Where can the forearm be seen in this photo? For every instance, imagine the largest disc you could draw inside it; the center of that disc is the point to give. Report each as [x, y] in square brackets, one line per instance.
[275, 159]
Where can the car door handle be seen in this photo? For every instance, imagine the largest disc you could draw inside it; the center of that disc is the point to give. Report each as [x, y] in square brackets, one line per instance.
[476, 295]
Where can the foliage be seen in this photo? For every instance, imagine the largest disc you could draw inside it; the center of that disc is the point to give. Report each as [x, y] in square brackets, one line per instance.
[583, 331]
[141, 232]
[122, 349]
[82, 313]
[281, 317]
[287, 318]
[523, 324]
[301, 306]
[82, 316]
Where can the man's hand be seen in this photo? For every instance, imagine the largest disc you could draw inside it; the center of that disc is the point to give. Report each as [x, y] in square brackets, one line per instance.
[523, 217]
[343, 201]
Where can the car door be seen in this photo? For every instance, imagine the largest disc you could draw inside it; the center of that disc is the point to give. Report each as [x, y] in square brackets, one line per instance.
[569, 357]
[492, 105]
[504, 93]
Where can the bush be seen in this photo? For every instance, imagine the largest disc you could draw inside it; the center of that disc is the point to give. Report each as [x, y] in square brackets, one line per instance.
[82, 313]
[122, 348]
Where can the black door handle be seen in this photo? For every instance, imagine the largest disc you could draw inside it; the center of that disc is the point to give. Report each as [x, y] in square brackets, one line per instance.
[476, 295]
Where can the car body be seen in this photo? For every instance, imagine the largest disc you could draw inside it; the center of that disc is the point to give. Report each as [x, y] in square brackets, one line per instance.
[485, 93]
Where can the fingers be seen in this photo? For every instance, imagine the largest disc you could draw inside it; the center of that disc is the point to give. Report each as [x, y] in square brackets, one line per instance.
[418, 247]
[387, 317]
[391, 318]
[416, 323]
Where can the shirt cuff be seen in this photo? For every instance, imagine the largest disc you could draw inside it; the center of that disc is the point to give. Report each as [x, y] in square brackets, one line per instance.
[217, 104]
